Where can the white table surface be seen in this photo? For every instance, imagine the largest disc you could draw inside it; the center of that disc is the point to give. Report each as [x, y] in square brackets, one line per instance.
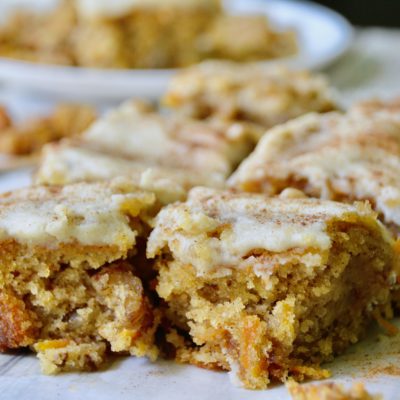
[371, 68]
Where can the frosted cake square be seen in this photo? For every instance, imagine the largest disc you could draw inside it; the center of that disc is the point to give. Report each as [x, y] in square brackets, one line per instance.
[74, 161]
[267, 96]
[268, 288]
[343, 157]
[69, 286]
[135, 130]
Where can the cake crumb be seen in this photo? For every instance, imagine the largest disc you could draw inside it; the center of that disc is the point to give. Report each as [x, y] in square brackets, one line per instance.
[329, 391]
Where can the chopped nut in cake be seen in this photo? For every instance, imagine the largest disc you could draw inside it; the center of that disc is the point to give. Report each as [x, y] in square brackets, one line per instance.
[262, 287]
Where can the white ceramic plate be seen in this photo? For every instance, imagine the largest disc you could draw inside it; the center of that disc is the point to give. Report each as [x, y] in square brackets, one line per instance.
[323, 34]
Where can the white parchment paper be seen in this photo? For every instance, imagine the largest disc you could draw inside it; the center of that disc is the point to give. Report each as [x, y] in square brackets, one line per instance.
[374, 361]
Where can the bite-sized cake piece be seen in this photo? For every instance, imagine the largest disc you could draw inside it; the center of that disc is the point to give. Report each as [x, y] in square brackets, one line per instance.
[266, 95]
[329, 391]
[68, 281]
[332, 156]
[137, 131]
[268, 288]
[72, 161]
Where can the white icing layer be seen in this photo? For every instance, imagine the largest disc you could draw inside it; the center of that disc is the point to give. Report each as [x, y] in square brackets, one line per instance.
[67, 163]
[90, 214]
[349, 156]
[215, 230]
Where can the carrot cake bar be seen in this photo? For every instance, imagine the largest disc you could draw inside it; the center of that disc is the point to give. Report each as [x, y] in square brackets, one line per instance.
[373, 106]
[164, 153]
[329, 391]
[69, 287]
[140, 34]
[73, 161]
[266, 95]
[135, 130]
[28, 137]
[332, 156]
[262, 287]
[245, 38]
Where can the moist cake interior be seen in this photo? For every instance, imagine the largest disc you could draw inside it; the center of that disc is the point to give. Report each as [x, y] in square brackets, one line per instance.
[69, 279]
[274, 314]
[73, 306]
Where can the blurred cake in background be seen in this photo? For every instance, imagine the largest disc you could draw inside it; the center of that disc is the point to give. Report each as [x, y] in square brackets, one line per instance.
[28, 137]
[248, 92]
[140, 34]
[69, 277]
[342, 157]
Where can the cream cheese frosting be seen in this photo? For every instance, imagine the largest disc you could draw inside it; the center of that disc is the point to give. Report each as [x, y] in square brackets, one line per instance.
[135, 130]
[349, 156]
[69, 162]
[266, 95]
[217, 230]
[89, 214]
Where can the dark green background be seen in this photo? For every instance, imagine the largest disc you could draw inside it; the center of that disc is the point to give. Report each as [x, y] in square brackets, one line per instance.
[368, 12]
